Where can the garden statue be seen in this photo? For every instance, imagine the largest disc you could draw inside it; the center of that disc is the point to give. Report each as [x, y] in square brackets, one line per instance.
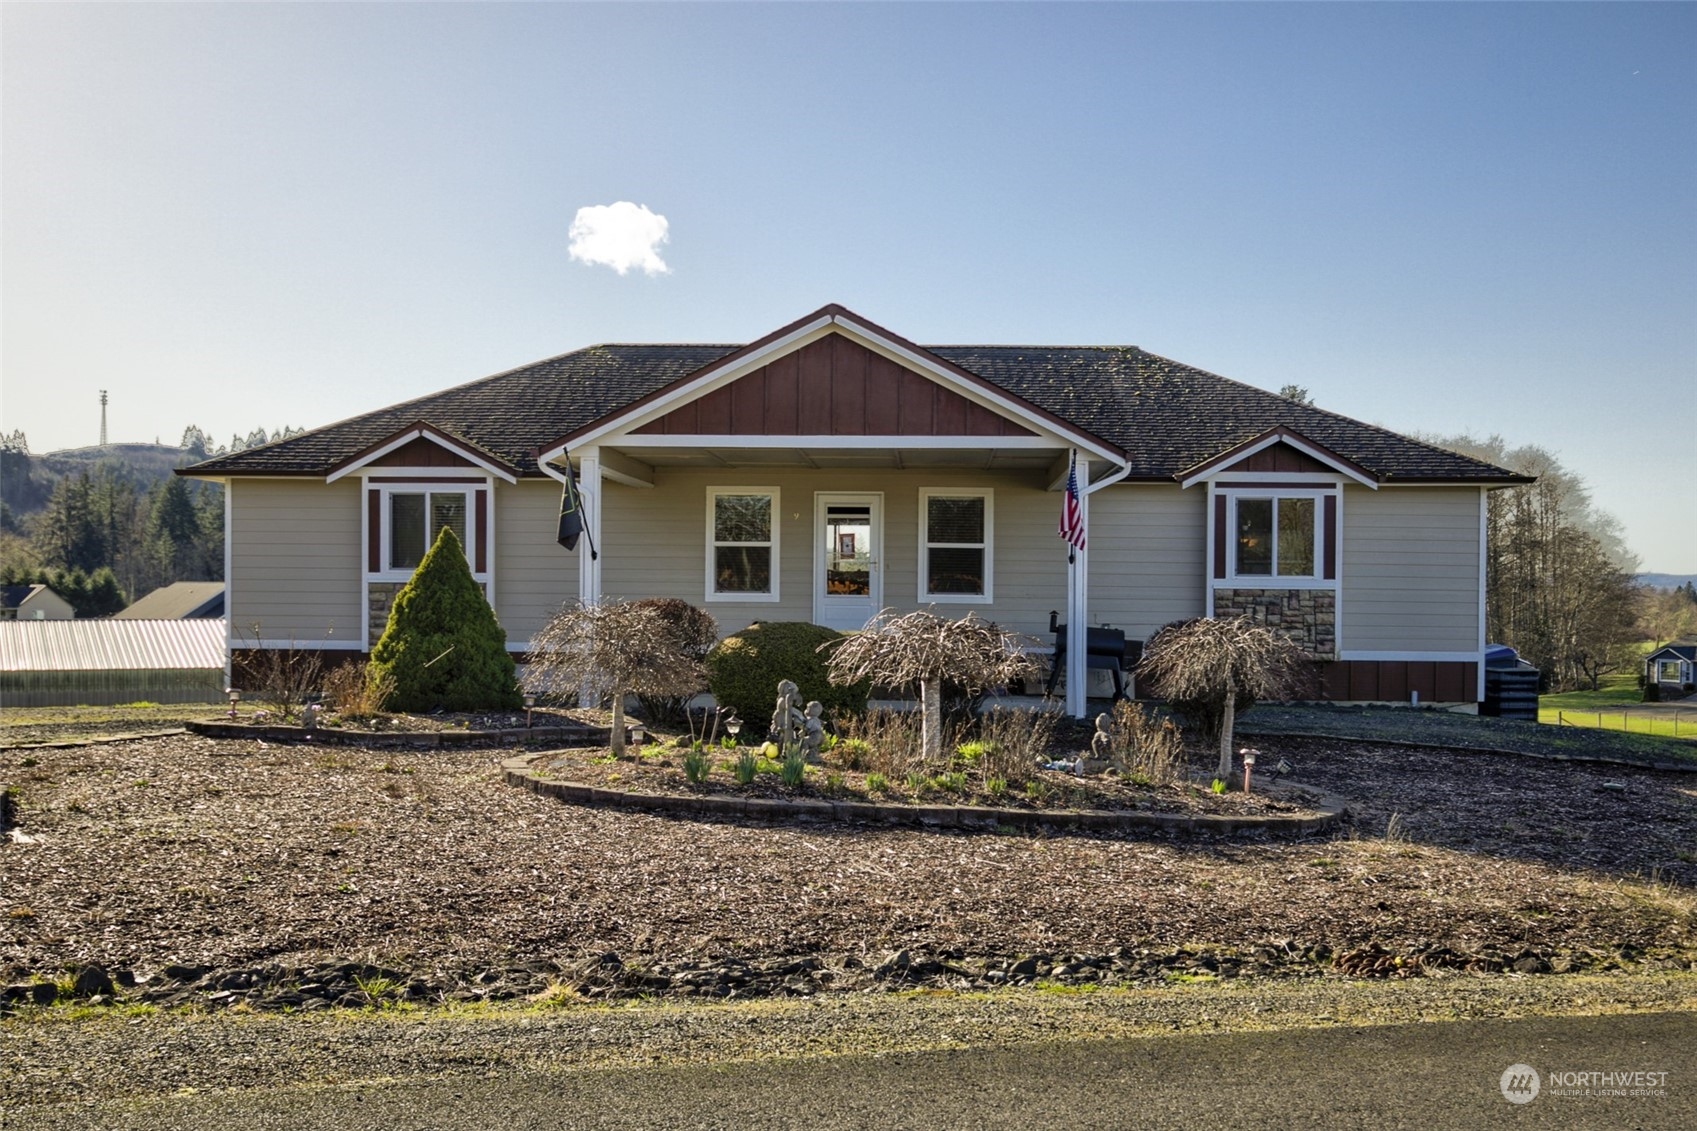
[813, 731]
[787, 719]
[1102, 742]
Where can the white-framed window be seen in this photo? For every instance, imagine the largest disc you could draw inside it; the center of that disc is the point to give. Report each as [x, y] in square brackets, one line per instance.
[416, 519]
[956, 545]
[1668, 671]
[742, 543]
[411, 518]
[1276, 535]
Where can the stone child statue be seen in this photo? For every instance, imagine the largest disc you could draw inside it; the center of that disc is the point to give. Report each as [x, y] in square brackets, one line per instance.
[787, 718]
[813, 731]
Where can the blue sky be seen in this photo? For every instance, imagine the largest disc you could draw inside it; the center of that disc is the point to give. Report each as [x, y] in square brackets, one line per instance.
[1438, 218]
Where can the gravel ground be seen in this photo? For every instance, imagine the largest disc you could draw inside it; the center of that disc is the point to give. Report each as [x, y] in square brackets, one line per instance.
[217, 855]
[72, 1061]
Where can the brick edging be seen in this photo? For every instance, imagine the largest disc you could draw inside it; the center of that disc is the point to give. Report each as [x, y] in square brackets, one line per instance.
[337, 736]
[517, 772]
[1597, 759]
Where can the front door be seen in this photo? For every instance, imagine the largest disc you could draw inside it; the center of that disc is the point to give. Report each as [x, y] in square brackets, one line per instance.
[848, 585]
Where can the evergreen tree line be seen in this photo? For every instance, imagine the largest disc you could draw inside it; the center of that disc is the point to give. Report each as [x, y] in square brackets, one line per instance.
[1559, 584]
[105, 537]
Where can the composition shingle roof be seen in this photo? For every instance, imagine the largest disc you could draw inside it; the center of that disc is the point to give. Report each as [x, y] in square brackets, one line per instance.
[1166, 416]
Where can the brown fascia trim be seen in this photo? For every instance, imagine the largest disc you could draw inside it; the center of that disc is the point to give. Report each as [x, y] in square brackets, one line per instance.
[835, 310]
[1282, 432]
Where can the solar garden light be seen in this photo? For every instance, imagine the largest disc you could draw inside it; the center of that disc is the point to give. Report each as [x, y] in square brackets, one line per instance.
[733, 727]
[1248, 765]
[529, 706]
[638, 735]
[235, 697]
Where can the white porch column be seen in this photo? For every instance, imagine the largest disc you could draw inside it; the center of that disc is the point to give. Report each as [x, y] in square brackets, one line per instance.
[589, 498]
[1078, 604]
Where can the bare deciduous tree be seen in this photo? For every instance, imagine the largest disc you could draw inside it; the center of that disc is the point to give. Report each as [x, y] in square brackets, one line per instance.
[1210, 669]
[611, 650]
[924, 650]
[1558, 575]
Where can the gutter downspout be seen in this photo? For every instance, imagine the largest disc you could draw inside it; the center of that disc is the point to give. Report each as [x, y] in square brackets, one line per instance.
[1078, 598]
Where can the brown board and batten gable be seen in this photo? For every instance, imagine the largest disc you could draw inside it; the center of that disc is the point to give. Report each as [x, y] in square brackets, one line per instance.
[832, 387]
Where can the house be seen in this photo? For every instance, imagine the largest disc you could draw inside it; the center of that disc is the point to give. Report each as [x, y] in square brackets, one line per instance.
[832, 468]
[33, 602]
[50, 663]
[180, 600]
[1673, 664]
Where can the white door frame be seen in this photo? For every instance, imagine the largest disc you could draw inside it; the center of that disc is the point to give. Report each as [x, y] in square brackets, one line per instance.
[823, 499]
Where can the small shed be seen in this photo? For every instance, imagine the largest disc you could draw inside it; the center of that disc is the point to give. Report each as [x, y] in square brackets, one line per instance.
[48, 663]
[1673, 664]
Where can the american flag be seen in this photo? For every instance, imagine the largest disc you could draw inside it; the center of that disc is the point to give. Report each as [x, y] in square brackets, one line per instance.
[1072, 514]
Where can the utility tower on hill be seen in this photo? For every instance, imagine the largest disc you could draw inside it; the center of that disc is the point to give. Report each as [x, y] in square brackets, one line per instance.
[103, 418]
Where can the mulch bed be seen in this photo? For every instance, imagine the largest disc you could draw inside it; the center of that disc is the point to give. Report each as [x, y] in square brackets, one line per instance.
[229, 858]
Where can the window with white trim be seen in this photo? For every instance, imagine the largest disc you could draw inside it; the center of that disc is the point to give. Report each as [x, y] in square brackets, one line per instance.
[1276, 535]
[955, 546]
[742, 544]
[417, 518]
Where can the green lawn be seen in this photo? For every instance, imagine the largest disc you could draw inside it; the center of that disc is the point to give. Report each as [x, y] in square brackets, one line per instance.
[1602, 709]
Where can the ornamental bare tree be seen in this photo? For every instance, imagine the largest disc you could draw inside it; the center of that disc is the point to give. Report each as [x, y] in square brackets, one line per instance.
[925, 650]
[611, 650]
[1211, 669]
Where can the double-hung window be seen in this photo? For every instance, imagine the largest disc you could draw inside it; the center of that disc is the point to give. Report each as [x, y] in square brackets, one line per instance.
[1276, 536]
[742, 544]
[955, 558]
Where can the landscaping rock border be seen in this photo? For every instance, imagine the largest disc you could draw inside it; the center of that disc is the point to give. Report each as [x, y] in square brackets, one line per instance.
[517, 772]
[575, 735]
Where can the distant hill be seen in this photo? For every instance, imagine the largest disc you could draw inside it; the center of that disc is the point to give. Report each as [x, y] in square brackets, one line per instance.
[1666, 580]
[28, 485]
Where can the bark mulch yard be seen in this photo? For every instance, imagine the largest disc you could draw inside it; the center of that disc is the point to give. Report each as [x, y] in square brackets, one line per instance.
[293, 876]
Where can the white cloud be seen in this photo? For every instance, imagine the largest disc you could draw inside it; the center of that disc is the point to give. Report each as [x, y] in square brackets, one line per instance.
[621, 236]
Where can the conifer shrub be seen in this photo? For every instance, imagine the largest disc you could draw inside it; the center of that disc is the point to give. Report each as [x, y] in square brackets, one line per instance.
[744, 668]
[443, 646]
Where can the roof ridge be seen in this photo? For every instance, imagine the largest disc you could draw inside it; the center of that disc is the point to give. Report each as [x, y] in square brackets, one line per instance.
[1348, 420]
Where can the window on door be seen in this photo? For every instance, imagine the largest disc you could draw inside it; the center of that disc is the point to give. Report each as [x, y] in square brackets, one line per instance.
[955, 545]
[848, 550]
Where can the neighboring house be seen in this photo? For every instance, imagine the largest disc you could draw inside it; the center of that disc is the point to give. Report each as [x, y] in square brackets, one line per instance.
[180, 600]
[1674, 664]
[33, 602]
[833, 468]
[106, 661]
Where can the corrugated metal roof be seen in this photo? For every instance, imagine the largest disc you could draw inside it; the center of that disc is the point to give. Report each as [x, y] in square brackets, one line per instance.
[111, 645]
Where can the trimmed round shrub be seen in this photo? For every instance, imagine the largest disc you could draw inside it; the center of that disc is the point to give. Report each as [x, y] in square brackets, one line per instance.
[443, 646]
[744, 669]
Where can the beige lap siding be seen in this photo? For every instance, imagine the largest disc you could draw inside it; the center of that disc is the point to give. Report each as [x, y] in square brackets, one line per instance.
[1410, 570]
[655, 541]
[295, 565]
[1148, 556]
[534, 574]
